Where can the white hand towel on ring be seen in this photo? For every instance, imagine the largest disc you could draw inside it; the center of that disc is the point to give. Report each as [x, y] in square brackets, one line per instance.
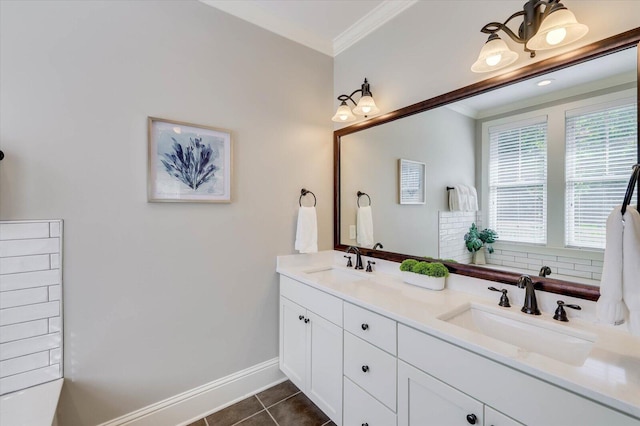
[307, 230]
[620, 286]
[364, 227]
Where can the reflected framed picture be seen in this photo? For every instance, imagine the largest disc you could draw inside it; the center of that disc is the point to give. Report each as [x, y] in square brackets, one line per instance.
[412, 182]
[188, 162]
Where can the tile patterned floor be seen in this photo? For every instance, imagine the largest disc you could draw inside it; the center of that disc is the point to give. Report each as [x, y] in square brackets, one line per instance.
[281, 405]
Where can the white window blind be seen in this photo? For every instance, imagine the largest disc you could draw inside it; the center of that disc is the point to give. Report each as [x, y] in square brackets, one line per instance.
[412, 182]
[601, 148]
[518, 181]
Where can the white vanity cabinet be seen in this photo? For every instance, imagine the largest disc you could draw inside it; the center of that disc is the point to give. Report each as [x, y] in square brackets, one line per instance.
[311, 344]
[519, 396]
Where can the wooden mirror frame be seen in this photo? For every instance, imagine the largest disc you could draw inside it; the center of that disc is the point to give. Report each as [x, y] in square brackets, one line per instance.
[609, 45]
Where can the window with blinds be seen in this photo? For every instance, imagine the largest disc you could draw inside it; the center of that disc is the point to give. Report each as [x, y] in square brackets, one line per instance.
[601, 148]
[518, 181]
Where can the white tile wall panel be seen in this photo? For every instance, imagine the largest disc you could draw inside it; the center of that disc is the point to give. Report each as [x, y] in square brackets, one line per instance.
[55, 356]
[10, 299]
[12, 265]
[55, 229]
[15, 231]
[28, 379]
[29, 279]
[29, 346]
[55, 324]
[29, 247]
[55, 293]
[30, 303]
[24, 330]
[23, 364]
[29, 312]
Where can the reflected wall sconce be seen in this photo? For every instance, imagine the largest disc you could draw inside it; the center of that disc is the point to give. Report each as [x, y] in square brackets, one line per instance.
[546, 24]
[365, 106]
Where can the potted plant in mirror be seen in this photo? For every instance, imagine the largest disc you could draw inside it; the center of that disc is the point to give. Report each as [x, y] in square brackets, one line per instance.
[429, 275]
[476, 240]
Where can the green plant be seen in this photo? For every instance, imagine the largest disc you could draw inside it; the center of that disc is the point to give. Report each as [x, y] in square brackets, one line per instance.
[408, 265]
[433, 269]
[476, 239]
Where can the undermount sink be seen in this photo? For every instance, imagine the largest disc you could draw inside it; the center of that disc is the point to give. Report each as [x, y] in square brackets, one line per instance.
[532, 333]
[335, 275]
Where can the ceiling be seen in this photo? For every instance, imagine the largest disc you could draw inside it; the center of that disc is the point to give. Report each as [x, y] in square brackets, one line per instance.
[329, 26]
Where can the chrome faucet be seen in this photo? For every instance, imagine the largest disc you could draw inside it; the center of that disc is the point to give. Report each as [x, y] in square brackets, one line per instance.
[356, 250]
[530, 302]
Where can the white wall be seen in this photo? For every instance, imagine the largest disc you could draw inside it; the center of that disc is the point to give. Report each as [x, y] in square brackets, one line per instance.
[428, 49]
[159, 298]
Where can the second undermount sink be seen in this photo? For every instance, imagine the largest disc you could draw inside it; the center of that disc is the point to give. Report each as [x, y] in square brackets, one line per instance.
[532, 333]
[335, 275]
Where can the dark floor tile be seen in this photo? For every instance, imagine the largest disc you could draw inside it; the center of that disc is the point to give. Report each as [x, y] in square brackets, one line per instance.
[277, 393]
[261, 419]
[198, 423]
[236, 412]
[298, 411]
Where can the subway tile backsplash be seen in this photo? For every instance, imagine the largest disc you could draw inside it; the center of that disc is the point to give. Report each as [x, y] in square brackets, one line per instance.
[454, 225]
[30, 303]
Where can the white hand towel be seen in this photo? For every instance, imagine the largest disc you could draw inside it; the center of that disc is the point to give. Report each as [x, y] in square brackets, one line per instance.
[464, 197]
[364, 224]
[473, 199]
[631, 268]
[620, 285]
[455, 199]
[307, 231]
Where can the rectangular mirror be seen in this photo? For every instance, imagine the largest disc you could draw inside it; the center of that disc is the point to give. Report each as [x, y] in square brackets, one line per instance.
[556, 221]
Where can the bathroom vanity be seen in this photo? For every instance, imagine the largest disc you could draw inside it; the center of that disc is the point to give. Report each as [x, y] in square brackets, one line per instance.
[371, 350]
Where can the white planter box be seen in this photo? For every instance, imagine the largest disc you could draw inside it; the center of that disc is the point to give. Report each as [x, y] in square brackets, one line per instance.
[425, 281]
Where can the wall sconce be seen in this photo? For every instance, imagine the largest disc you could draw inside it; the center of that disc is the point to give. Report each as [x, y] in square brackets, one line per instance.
[365, 106]
[546, 24]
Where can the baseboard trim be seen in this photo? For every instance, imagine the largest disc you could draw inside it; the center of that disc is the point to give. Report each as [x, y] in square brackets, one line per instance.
[189, 406]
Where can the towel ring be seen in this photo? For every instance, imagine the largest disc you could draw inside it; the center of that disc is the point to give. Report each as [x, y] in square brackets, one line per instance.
[630, 187]
[304, 192]
[360, 194]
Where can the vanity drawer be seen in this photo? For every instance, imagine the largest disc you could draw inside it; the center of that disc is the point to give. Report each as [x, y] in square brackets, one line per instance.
[372, 327]
[318, 302]
[371, 368]
[361, 408]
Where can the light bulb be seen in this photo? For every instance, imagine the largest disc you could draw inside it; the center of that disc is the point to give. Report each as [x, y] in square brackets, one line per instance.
[493, 60]
[343, 117]
[366, 109]
[556, 36]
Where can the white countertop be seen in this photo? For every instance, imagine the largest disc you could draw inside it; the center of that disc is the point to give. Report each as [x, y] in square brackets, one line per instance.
[610, 375]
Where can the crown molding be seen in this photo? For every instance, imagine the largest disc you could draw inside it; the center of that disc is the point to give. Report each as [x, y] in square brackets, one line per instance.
[250, 12]
[373, 20]
[261, 17]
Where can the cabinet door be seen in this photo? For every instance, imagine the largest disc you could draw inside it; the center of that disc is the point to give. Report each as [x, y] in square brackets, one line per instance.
[324, 373]
[424, 400]
[293, 330]
[495, 418]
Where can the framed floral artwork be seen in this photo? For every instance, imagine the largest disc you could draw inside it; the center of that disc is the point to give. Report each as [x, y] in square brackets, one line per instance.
[188, 162]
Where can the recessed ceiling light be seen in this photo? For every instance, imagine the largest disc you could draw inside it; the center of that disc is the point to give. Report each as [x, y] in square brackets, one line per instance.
[545, 82]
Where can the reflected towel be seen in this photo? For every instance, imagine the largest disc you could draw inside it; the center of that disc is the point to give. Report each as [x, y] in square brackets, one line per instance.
[364, 223]
[620, 286]
[307, 231]
[455, 199]
[473, 199]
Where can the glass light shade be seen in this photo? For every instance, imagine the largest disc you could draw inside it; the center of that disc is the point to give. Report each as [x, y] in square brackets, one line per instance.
[558, 29]
[366, 106]
[495, 54]
[344, 114]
